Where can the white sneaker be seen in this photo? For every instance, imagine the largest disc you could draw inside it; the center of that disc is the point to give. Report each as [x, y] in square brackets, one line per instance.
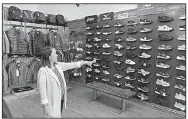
[96, 71]
[98, 33]
[180, 96]
[145, 47]
[179, 106]
[182, 17]
[145, 39]
[181, 47]
[144, 55]
[180, 57]
[181, 37]
[106, 33]
[130, 69]
[89, 46]
[164, 28]
[106, 45]
[106, 72]
[181, 87]
[128, 61]
[131, 39]
[119, 46]
[180, 67]
[145, 30]
[88, 69]
[143, 72]
[97, 39]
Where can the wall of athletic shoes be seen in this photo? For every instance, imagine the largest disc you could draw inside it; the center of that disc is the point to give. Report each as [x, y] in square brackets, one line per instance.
[141, 50]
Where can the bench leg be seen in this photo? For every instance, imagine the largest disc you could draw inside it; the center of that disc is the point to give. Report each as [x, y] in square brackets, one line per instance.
[94, 94]
[124, 106]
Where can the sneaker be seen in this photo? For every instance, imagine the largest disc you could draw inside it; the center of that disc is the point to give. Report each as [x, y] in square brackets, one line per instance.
[88, 76]
[143, 80]
[130, 47]
[106, 26]
[106, 72]
[182, 28]
[96, 77]
[180, 77]
[117, 62]
[180, 96]
[181, 47]
[98, 33]
[130, 55]
[163, 56]
[164, 75]
[118, 46]
[96, 71]
[88, 53]
[162, 83]
[179, 106]
[127, 84]
[181, 37]
[89, 58]
[179, 86]
[145, 56]
[145, 47]
[106, 66]
[119, 32]
[96, 65]
[98, 27]
[164, 28]
[106, 59]
[130, 78]
[131, 23]
[145, 30]
[106, 53]
[131, 31]
[89, 33]
[164, 19]
[162, 65]
[130, 70]
[89, 28]
[97, 39]
[88, 69]
[106, 79]
[118, 39]
[130, 62]
[119, 68]
[145, 21]
[118, 76]
[144, 64]
[164, 37]
[107, 39]
[180, 67]
[130, 39]
[97, 59]
[182, 17]
[164, 47]
[119, 25]
[180, 57]
[88, 46]
[145, 39]
[118, 83]
[144, 89]
[143, 72]
[107, 33]
[117, 53]
[162, 92]
[105, 45]
[97, 53]
[142, 96]
[97, 46]
[89, 40]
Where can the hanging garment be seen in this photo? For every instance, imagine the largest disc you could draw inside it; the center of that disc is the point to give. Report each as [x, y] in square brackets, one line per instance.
[17, 73]
[6, 44]
[19, 42]
[54, 40]
[5, 79]
[38, 42]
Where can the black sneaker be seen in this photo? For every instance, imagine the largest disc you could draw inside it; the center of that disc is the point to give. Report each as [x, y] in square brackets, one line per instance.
[97, 46]
[131, 23]
[106, 66]
[119, 25]
[88, 76]
[106, 59]
[130, 47]
[97, 78]
[118, 83]
[131, 55]
[107, 39]
[89, 40]
[182, 28]
[164, 19]
[164, 37]
[119, 68]
[98, 27]
[131, 31]
[145, 21]
[144, 64]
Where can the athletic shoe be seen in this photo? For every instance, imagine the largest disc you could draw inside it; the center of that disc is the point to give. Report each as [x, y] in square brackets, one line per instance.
[181, 37]
[88, 46]
[105, 45]
[88, 52]
[180, 77]
[88, 69]
[130, 70]
[106, 72]
[106, 26]
[130, 78]
[164, 28]
[117, 53]
[107, 39]
[145, 30]
[164, 37]
[164, 75]
[97, 53]
[130, 47]
[162, 92]
[179, 86]
[180, 57]
[106, 59]
[97, 46]
[106, 53]
[131, 23]
[89, 28]
[106, 66]
[182, 28]
[131, 31]
[163, 56]
[118, 76]
[106, 79]
[97, 39]
[181, 47]
[117, 62]
[118, 39]
[162, 65]
[164, 19]
[145, 39]
[96, 77]
[143, 80]
[107, 33]
[182, 17]
[142, 96]
[144, 64]
[162, 83]
[89, 58]
[89, 33]
[145, 47]
[143, 72]
[180, 96]
[130, 55]
[143, 89]
[164, 47]
[127, 84]
[145, 21]
[130, 39]
[118, 83]
[118, 46]
[119, 68]
[88, 76]
[97, 59]
[119, 32]
[89, 40]
[96, 71]
[119, 25]
[98, 27]
[180, 67]
[179, 106]
[98, 33]
[96, 65]
[145, 56]
[130, 62]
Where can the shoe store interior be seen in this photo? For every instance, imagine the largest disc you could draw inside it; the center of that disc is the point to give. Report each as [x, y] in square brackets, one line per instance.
[140, 53]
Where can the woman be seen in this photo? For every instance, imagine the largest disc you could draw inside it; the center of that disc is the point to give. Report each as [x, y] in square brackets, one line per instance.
[51, 82]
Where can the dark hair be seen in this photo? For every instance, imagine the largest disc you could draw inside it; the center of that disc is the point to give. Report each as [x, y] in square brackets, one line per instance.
[45, 53]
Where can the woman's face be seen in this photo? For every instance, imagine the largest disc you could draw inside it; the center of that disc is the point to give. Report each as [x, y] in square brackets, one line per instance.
[53, 56]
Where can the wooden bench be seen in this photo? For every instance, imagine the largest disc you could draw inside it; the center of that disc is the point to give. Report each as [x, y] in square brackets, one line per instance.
[118, 92]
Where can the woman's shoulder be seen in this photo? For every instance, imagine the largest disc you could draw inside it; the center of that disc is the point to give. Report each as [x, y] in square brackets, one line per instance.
[42, 69]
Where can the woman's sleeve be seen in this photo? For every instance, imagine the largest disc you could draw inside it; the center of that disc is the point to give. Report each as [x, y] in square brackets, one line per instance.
[72, 65]
[41, 82]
